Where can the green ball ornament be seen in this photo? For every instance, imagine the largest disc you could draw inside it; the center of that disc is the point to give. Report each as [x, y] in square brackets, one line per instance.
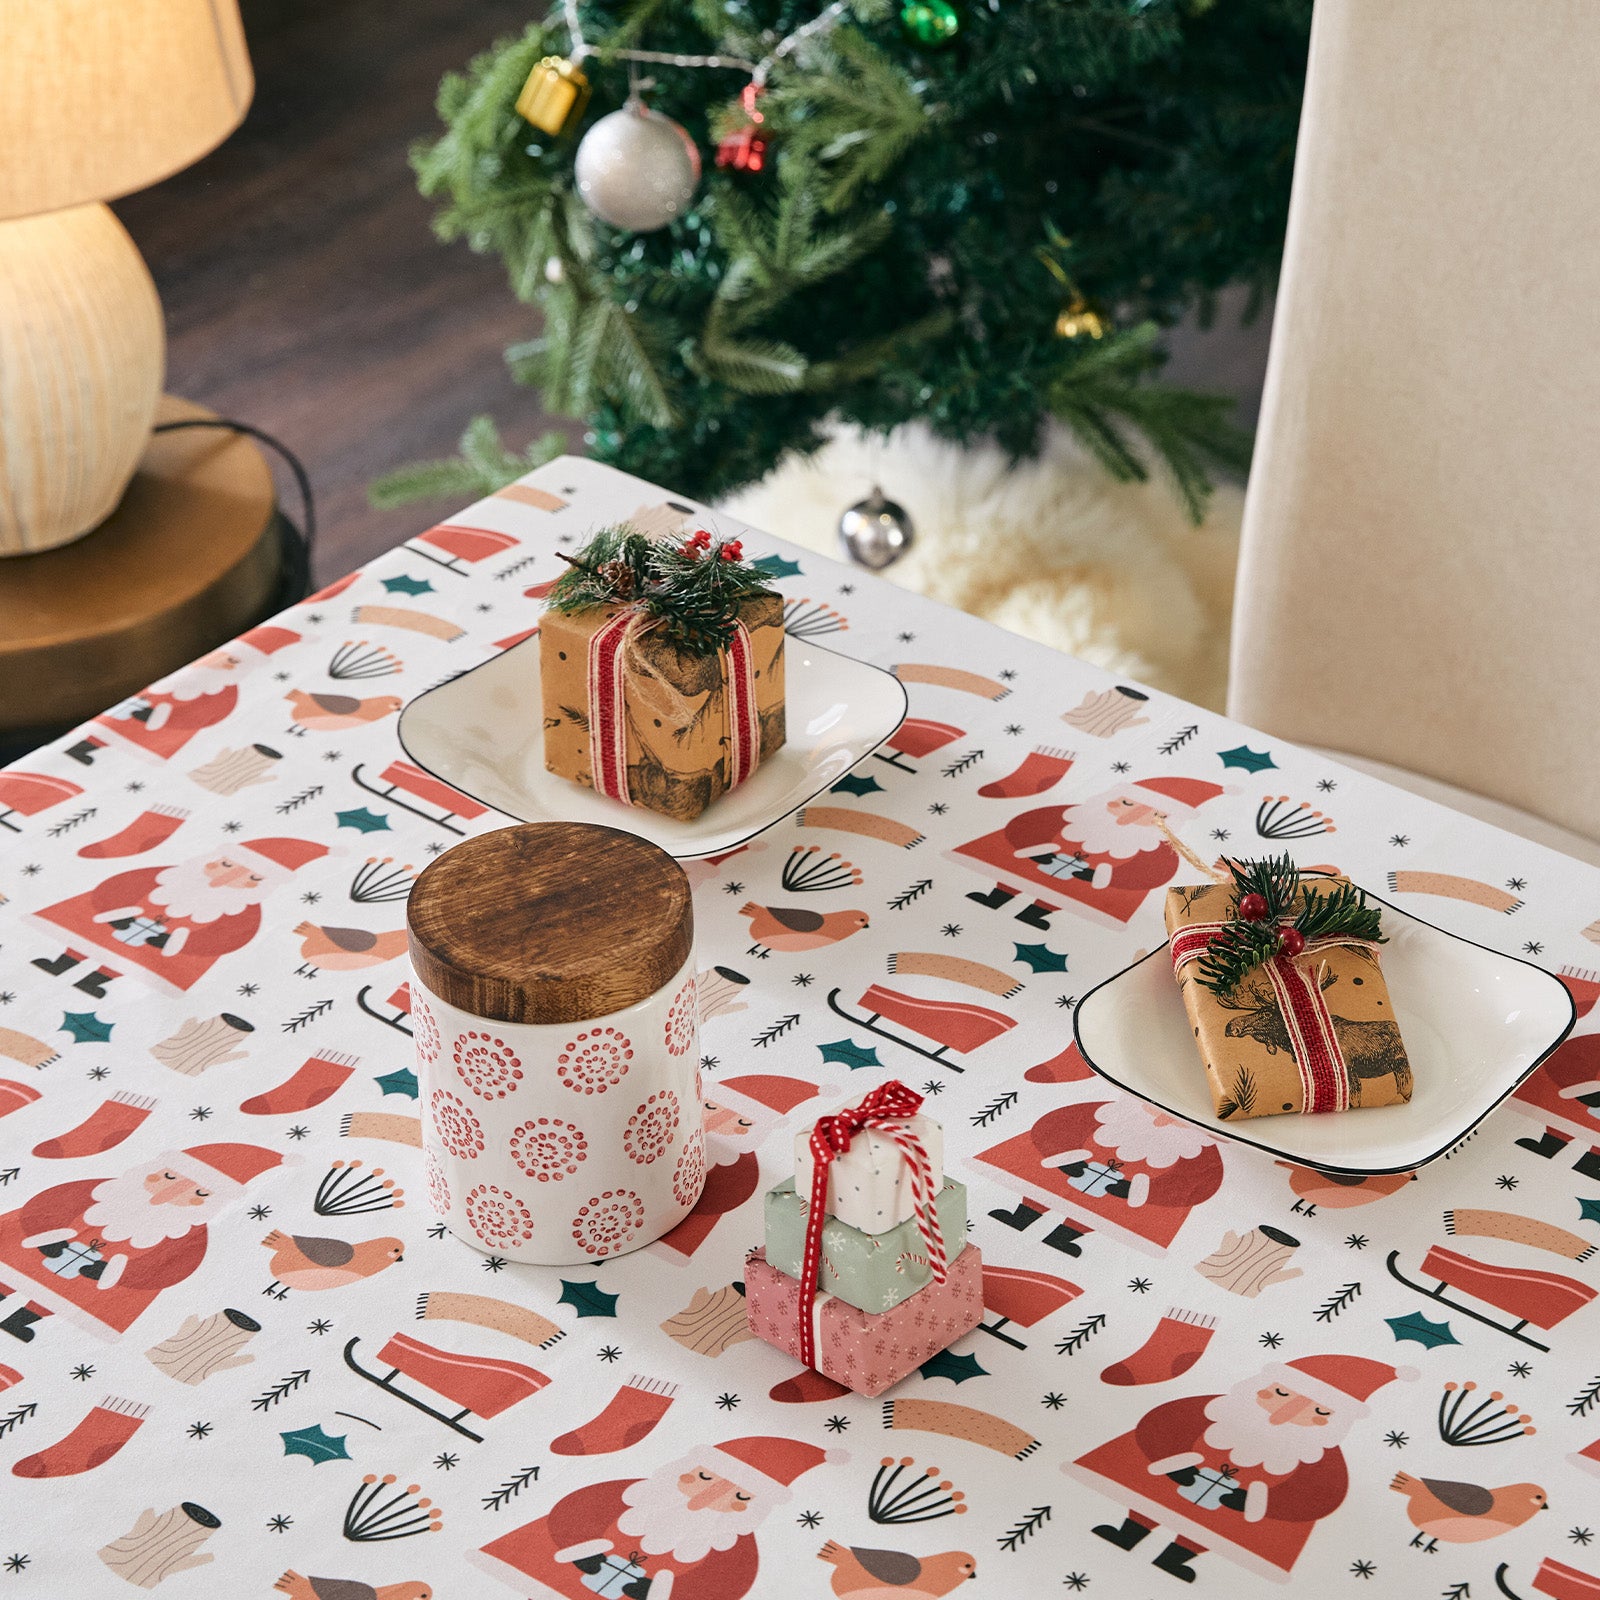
[930, 22]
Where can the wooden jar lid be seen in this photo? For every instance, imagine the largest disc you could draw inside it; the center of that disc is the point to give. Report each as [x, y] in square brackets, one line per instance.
[550, 922]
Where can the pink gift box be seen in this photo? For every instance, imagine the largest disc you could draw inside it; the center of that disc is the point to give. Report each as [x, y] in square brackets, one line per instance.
[867, 1351]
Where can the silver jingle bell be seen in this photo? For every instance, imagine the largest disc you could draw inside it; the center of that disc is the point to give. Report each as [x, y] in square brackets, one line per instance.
[876, 532]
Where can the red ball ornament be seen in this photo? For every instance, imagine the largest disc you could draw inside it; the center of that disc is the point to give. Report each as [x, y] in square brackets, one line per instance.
[1253, 908]
[1291, 942]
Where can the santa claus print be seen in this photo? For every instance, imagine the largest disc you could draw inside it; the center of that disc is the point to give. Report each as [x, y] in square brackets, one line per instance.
[175, 922]
[686, 1529]
[1123, 1165]
[1100, 857]
[101, 1250]
[1249, 1473]
[740, 1113]
[166, 716]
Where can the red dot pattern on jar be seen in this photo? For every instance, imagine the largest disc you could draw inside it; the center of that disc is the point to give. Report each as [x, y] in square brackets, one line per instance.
[595, 1061]
[652, 1128]
[488, 1066]
[608, 1222]
[498, 1217]
[548, 1149]
[680, 1026]
[459, 1130]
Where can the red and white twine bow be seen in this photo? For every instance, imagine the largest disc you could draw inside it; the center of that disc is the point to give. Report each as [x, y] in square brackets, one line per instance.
[608, 723]
[887, 1110]
[1324, 1077]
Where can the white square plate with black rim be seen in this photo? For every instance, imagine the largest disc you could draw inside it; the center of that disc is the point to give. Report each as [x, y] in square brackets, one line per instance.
[483, 733]
[1475, 1023]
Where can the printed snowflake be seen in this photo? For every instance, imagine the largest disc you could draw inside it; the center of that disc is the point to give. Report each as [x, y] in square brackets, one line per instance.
[1399, 840]
[906, 638]
[199, 1430]
[930, 1087]
[1008, 675]
[837, 1424]
[609, 1353]
[134, 788]
[1220, 833]
[83, 1372]
[1326, 785]
[1517, 884]
[233, 827]
[1505, 1181]
[1139, 1285]
[734, 887]
[16, 1562]
[445, 1461]
[802, 980]
[809, 1519]
[7, 996]
[248, 989]
[1013, 728]
[1272, 1340]
[200, 1114]
[97, 1073]
[280, 1523]
[297, 1132]
[310, 898]
[1356, 1241]
[1397, 1440]
[1053, 1401]
[321, 1325]
[1363, 1569]
[727, 1402]
[1580, 1535]
[259, 1213]
[710, 1063]
[1533, 948]
[494, 1263]
[951, 930]
[1122, 766]
[938, 808]
[1520, 1369]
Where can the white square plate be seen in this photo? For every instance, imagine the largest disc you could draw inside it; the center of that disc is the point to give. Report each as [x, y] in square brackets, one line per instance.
[483, 733]
[1475, 1024]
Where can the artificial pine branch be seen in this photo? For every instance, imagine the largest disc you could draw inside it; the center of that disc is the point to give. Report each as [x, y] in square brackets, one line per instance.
[1242, 946]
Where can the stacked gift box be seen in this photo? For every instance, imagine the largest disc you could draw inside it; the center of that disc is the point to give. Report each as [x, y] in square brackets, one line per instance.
[879, 1310]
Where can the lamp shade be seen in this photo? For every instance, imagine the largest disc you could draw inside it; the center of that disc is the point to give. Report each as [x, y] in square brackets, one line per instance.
[101, 97]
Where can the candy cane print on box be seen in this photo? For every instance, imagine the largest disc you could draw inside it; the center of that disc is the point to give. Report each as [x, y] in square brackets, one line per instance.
[557, 1042]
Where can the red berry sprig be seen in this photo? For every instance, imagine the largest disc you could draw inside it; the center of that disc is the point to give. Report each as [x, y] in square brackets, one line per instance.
[1253, 908]
[733, 550]
[697, 542]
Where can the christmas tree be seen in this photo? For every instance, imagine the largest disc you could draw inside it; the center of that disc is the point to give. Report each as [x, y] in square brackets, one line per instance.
[979, 214]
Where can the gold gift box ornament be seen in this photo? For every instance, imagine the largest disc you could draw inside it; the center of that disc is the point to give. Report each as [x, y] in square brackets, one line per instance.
[661, 670]
[554, 96]
[1282, 984]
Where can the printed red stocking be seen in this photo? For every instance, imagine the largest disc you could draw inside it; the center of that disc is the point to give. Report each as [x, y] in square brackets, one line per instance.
[1179, 1339]
[145, 832]
[629, 1415]
[316, 1079]
[1041, 769]
[14, 1096]
[97, 1438]
[103, 1129]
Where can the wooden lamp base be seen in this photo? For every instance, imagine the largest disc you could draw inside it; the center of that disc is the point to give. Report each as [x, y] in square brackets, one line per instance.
[191, 556]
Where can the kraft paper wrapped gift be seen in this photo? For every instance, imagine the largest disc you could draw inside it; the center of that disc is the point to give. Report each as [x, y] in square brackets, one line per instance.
[869, 1185]
[675, 705]
[1243, 1039]
[866, 1351]
[871, 1271]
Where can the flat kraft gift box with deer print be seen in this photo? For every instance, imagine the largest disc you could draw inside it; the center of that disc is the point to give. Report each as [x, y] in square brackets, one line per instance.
[1337, 1046]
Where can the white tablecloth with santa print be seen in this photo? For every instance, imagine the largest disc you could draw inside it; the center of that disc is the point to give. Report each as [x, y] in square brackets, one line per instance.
[239, 1356]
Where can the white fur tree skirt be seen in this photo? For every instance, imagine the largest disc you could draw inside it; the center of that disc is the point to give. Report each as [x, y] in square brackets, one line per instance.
[1053, 549]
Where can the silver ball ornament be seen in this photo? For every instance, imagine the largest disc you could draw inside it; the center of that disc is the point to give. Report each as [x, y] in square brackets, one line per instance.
[637, 169]
[876, 532]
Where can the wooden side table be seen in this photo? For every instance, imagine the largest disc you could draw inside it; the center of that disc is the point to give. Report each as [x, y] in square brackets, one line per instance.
[193, 554]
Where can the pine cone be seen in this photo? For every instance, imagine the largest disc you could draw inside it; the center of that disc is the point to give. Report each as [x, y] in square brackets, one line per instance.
[617, 576]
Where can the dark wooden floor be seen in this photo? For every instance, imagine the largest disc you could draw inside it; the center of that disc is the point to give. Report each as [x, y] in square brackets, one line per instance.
[304, 291]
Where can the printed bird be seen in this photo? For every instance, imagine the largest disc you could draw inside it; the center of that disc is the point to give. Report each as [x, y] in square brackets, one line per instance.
[326, 713]
[347, 949]
[888, 1574]
[301, 1261]
[792, 928]
[299, 1588]
[1464, 1513]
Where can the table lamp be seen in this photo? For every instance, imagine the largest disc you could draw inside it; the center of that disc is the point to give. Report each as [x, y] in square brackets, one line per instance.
[97, 98]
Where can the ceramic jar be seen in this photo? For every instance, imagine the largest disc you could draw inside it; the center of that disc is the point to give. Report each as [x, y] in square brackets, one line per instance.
[557, 1039]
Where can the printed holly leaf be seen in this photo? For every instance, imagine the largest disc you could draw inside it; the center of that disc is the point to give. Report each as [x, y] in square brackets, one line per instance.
[401, 1081]
[1041, 958]
[315, 1445]
[777, 567]
[853, 783]
[363, 820]
[947, 1364]
[406, 584]
[1250, 760]
[85, 1027]
[588, 1299]
[850, 1053]
[1588, 1210]
[1418, 1329]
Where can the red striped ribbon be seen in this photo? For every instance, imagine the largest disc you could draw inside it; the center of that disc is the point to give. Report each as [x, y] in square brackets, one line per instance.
[1324, 1077]
[887, 1110]
[608, 723]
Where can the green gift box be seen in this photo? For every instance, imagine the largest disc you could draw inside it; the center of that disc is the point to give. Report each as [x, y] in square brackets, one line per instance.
[871, 1271]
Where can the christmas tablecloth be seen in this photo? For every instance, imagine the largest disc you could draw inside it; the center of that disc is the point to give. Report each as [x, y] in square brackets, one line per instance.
[239, 1355]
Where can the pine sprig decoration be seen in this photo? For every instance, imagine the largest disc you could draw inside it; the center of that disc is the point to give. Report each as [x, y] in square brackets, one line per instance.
[693, 591]
[1283, 901]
